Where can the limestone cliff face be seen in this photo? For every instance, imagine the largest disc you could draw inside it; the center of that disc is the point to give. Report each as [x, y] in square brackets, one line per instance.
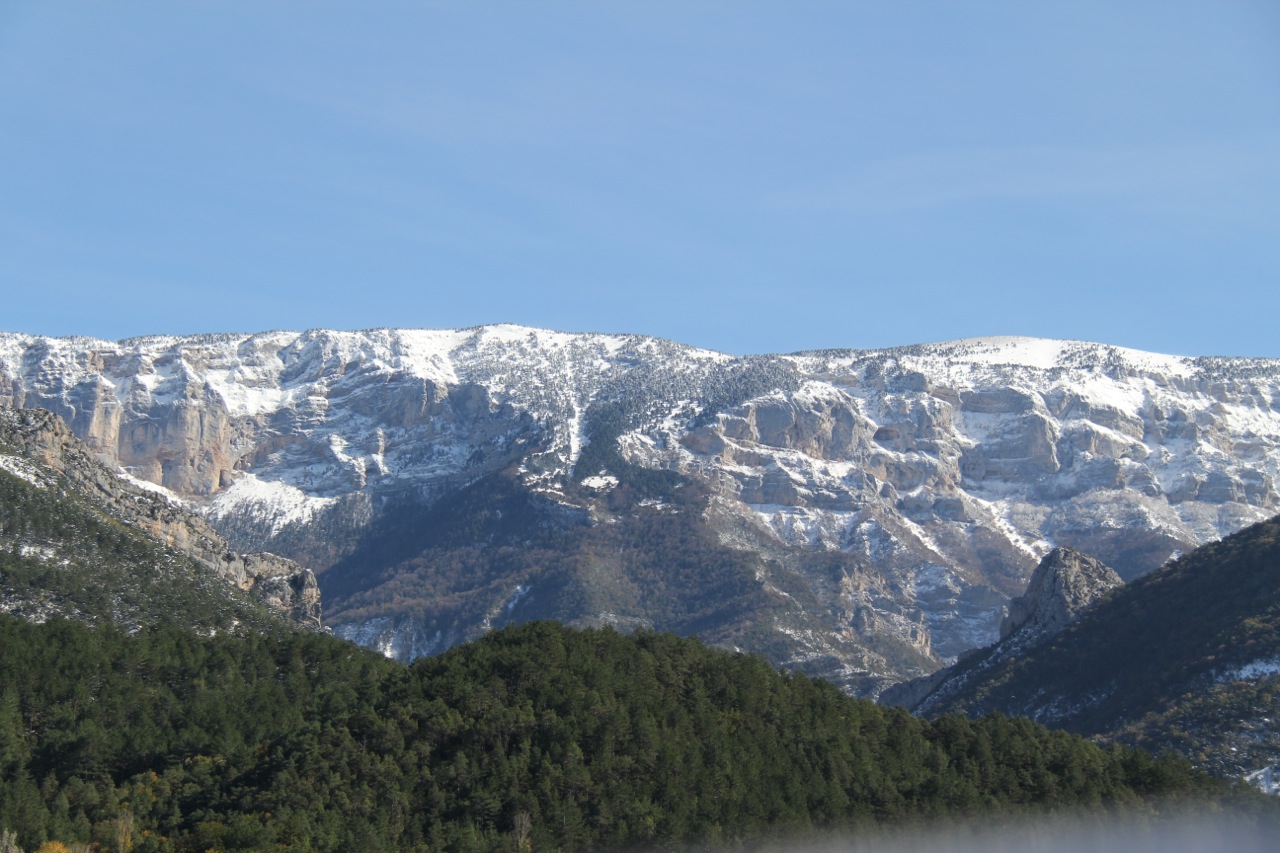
[280, 583]
[939, 474]
[1064, 585]
[193, 416]
[954, 468]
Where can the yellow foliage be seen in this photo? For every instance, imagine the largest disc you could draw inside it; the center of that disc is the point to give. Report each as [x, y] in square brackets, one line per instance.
[53, 847]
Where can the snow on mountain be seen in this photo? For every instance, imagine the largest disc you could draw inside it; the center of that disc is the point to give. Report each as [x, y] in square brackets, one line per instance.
[1266, 780]
[21, 468]
[939, 474]
[84, 523]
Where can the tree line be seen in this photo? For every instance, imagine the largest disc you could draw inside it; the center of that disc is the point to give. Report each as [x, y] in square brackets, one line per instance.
[537, 737]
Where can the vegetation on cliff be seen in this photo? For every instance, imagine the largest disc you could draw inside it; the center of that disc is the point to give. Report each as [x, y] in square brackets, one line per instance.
[62, 555]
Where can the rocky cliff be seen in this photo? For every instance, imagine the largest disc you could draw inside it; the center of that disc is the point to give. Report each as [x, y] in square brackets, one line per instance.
[1185, 658]
[888, 503]
[1063, 586]
[41, 441]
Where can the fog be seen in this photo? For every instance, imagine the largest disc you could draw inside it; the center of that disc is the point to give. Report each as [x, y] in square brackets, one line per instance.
[1221, 833]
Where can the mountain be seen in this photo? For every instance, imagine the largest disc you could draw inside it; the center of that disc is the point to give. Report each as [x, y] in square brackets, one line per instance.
[1185, 658]
[863, 515]
[79, 541]
[1063, 586]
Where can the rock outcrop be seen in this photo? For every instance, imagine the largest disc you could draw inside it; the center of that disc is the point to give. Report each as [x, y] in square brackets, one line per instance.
[1184, 659]
[936, 476]
[1064, 585]
[281, 584]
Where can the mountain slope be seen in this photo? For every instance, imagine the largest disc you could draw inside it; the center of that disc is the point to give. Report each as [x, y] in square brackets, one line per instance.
[1186, 658]
[1063, 586]
[533, 738]
[875, 509]
[76, 540]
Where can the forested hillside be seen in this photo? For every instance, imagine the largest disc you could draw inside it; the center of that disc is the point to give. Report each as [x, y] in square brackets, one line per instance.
[61, 555]
[78, 539]
[537, 737]
[1185, 658]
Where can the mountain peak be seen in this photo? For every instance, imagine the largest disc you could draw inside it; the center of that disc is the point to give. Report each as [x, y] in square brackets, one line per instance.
[1064, 584]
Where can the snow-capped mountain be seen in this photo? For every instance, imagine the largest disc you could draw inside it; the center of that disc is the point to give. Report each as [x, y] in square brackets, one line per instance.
[877, 509]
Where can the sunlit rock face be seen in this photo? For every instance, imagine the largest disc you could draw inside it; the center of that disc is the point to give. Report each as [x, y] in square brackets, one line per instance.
[932, 478]
[38, 436]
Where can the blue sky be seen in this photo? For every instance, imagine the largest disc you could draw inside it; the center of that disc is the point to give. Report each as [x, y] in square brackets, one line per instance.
[750, 177]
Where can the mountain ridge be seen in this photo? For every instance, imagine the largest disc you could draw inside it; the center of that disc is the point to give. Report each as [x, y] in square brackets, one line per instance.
[895, 496]
[1186, 658]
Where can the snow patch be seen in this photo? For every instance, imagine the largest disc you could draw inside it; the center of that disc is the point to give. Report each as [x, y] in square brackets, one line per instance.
[1252, 670]
[270, 500]
[1266, 780]
[520, 592]
[22, 469]
[1048, 353]
[44, 553]
[146, 485]
[600, 482]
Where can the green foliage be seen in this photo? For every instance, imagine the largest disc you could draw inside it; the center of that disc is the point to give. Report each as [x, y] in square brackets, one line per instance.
[1228, 728]
[61, 554]
[1162, 640]
[536, 737]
